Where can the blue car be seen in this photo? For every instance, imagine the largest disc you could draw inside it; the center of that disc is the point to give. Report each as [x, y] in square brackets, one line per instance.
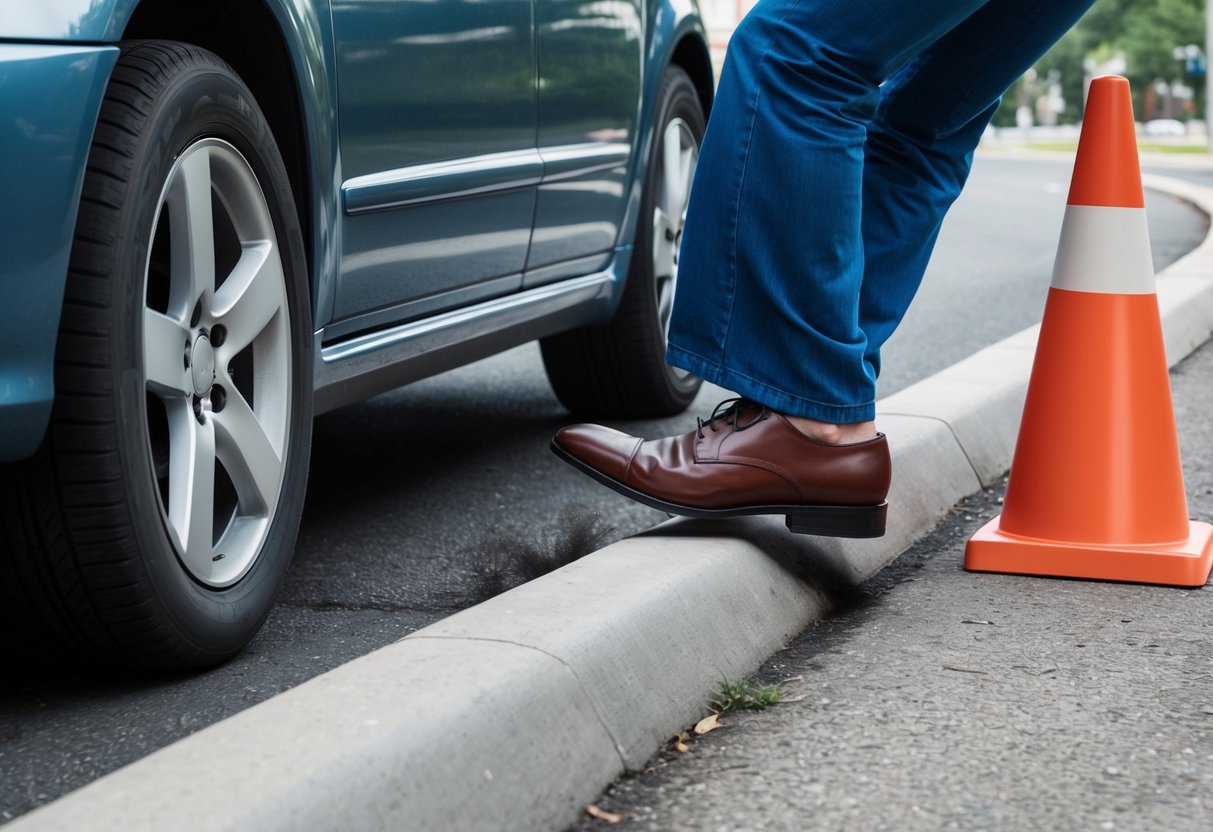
[221, 218]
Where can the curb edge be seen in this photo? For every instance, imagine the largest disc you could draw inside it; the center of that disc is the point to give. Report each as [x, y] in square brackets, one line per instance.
[571, 678]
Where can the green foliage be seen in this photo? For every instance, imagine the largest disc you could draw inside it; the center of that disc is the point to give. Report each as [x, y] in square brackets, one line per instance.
[745, 696]
[1145, 32]
[1151, 31]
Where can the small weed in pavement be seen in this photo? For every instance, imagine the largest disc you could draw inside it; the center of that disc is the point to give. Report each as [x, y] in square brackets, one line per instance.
[745, 696]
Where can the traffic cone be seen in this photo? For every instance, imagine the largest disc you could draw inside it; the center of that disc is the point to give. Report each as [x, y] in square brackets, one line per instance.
[1096, 489]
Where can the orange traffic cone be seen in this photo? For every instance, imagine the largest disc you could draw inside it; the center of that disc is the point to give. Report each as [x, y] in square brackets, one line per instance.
[1096, 488]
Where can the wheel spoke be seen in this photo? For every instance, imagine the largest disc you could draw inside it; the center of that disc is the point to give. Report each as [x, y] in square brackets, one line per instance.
[193, 232]
[251, 296]
[191, 490]
[663, 244]
[665, 301]
[673, 170]
[249, 456]
[164, 345]
[687, 177]
[679, 158]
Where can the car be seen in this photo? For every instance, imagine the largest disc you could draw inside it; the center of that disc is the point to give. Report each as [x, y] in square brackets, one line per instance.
[1160, 127]
[223, 218]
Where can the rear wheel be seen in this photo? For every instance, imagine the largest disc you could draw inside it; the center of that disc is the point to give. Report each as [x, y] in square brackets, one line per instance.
[619, 370]
[155, 524]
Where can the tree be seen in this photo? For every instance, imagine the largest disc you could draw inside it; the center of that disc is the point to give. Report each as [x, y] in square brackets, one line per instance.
[1150, 33]
[1146, 32]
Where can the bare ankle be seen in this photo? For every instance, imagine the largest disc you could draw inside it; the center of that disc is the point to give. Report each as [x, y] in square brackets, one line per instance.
[833, 434]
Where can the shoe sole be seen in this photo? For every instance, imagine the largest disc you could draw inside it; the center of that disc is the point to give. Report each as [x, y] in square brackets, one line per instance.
[823, 521]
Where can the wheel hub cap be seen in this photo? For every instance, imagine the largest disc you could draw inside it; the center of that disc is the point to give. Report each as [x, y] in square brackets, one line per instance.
[202, 365]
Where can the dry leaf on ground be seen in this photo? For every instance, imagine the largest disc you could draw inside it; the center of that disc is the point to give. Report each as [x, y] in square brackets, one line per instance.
[603, 815]
[708, 723]
[680, 744]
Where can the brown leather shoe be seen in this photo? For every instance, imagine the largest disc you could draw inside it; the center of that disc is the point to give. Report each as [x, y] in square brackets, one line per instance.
[744, 460]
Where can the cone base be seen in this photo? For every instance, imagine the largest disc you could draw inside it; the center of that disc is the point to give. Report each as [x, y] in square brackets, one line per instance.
[1186, 563]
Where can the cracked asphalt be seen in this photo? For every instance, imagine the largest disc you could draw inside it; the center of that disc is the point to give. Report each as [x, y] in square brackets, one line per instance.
[414, 493]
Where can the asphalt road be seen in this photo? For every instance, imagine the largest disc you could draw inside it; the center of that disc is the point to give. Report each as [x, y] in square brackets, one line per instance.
[420, 498]
[994, 260]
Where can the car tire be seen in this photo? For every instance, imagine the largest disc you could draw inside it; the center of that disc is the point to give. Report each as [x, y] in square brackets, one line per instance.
[618, 370]
[154, 525]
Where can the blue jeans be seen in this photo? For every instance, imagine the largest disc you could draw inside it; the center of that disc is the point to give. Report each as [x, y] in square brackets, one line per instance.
[842, 132]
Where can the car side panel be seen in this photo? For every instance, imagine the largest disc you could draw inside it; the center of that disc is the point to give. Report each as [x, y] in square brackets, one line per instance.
[53, 94]
[591, 58]
[436, 104]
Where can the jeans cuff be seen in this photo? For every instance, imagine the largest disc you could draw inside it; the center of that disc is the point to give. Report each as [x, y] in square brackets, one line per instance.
[786, 403]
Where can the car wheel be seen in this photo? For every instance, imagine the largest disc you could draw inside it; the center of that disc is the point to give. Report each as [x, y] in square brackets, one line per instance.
[619, 370]
[155, 524]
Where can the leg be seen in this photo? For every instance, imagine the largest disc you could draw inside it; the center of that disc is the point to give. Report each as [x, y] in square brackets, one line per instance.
[779, 192]
[776, 299]
[920, 145]
[772, 253]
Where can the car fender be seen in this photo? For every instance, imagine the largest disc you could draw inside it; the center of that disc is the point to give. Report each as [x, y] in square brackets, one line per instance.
[51, 94]
[98, 24]
[670, 26]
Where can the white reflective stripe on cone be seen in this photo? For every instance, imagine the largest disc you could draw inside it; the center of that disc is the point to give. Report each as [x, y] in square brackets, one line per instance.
[1104, 250]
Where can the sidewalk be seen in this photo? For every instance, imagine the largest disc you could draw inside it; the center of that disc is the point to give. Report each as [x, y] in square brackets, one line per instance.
[942, 699]
[1149, 159]
[515, 713]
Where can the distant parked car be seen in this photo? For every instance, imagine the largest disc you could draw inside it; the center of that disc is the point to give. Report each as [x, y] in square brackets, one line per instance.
[1160, 127]
[221, 218]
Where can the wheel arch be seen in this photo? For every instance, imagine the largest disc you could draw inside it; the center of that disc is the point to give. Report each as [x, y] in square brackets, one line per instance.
[284, 53]
[691, 53]
[675, 36]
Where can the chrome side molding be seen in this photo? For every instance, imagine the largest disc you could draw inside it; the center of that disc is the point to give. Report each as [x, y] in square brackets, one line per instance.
[364, 365]
[475, 175]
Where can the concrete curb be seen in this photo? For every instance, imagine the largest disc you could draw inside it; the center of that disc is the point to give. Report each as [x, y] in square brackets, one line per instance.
[517, 712]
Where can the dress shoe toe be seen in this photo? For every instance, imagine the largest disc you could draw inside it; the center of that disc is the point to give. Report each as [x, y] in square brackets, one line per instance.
[605, 449]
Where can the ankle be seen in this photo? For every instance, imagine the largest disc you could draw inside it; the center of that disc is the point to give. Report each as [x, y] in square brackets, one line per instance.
[833, 434]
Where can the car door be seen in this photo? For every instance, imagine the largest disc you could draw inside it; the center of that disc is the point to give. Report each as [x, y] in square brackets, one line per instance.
[437, 118]
[590, 57]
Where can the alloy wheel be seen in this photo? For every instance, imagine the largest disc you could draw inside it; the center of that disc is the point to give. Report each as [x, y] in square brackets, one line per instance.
[217, 362]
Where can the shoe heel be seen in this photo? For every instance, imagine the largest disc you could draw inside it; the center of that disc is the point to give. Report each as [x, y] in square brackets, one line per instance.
[839, 521]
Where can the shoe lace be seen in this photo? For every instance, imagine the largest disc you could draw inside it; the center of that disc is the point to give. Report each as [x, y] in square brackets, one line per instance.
[731, 410]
